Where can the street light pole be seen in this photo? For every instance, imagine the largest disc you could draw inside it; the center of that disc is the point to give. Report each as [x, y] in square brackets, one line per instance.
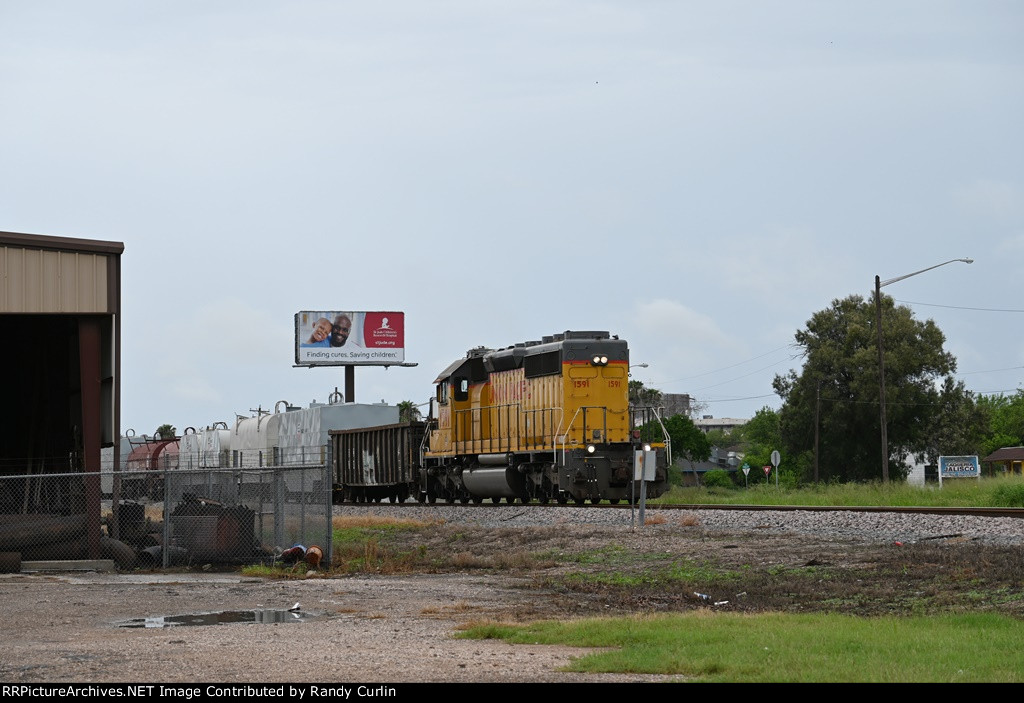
[881, 359]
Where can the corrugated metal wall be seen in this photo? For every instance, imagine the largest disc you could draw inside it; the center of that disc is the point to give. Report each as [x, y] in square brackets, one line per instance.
[44, 281]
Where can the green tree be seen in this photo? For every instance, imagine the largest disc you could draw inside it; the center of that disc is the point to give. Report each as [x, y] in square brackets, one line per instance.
[959, 425]
[1006, 421]
[840, 376]
[166, 432]
[688, 441]
[640, 395]
[761, 436]
[408, 412]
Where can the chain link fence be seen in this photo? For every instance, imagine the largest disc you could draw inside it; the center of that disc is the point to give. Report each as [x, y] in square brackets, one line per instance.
[166, 518]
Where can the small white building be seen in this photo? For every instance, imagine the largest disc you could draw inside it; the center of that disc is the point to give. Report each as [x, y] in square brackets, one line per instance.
[726, 424]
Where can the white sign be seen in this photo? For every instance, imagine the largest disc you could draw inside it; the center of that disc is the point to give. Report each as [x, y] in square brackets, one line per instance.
[644, 465]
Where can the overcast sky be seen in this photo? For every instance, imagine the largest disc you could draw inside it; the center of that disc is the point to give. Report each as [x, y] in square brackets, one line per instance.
[696, 177]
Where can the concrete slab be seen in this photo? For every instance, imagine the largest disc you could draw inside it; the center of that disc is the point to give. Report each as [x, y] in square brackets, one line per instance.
[69, 565]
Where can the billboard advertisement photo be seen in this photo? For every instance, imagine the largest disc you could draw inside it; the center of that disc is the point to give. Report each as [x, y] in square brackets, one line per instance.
[341, 338]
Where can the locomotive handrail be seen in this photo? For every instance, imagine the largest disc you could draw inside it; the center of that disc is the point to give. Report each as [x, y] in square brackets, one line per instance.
[513, 437]
[645, 412]
[583, 409]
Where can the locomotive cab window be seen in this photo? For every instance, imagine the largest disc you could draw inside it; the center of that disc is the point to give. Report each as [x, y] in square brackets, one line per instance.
[442, 393]
[461, 389]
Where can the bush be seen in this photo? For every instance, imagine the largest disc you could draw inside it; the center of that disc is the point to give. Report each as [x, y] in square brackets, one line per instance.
[675, 475]
[717, 479]
[1009, 496]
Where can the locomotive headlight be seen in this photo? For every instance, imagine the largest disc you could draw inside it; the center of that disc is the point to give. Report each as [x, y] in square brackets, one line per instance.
[599, 360]
[647, 447]
[591, 449]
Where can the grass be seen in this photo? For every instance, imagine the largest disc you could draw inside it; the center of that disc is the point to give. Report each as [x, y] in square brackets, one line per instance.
[1004, 491]
[681, 572]
[360, 545]
[821, 648]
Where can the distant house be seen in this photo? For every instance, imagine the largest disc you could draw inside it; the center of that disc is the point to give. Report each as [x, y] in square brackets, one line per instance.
[720, 460]
[726, 424]
[1009, 459]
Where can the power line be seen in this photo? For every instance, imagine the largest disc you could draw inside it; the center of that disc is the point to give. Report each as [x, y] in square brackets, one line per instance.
[1008, 368]
[726, 368]
[723, 383]
[957, 307]
[731, 400]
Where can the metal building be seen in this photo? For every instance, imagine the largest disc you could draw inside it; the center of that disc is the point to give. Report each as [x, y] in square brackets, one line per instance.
[60, 308]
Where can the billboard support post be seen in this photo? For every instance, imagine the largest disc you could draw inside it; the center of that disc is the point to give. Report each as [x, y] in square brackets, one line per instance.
[350, 384]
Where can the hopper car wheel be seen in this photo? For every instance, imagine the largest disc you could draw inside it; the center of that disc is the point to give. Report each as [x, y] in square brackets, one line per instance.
[579, 501]
[477, 500]
[543, 498]
[431, 498]
[595, 501]
[562, 498]
[449, 499]
[613, 501]
[496, 499]
[510, 499]
[463, 498]
[422, 498]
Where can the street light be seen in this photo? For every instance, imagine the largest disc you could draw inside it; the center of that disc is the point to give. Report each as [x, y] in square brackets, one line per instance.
[881, 364]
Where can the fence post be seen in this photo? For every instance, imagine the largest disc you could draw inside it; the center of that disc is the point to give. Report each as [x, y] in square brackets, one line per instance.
[278, 509]
[166, 551]
[328, 483]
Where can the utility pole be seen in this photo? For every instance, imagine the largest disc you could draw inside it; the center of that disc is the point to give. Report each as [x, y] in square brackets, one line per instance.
[817, 420]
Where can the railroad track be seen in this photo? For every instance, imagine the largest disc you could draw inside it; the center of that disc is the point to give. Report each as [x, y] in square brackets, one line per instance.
[923, 510]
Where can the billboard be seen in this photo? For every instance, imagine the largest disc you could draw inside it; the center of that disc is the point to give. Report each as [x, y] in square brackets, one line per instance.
[342, 338]
[959, 467]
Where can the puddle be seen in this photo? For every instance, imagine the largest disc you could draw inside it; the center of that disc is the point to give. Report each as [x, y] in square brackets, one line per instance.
[225, 617]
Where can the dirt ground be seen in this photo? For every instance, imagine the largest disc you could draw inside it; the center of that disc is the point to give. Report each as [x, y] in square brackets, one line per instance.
[391, 608]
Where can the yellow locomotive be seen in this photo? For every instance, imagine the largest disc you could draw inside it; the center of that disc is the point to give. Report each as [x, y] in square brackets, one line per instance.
[544, 420]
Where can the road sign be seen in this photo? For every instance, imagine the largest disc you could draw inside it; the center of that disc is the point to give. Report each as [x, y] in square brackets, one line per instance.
[746, 469]
[775, 458]
[767, 470]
